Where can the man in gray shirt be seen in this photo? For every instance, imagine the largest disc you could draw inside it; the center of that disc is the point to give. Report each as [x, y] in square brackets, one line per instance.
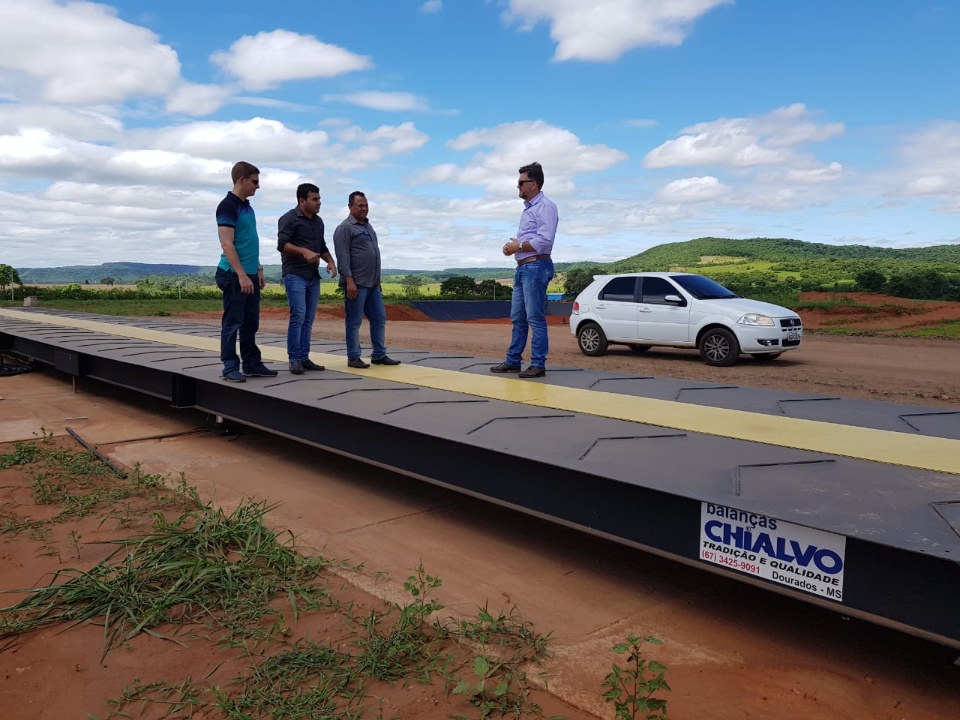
[358, 257]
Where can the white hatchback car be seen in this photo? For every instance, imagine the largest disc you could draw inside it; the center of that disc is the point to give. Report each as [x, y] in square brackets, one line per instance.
[680, 310]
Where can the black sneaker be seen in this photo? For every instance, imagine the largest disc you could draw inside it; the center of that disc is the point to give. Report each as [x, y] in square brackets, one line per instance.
[260, 370]
[357, 363]
[309, 364]
[234, 376]
[504, 368]
[533, 372]
[385, 360]
[296, 367]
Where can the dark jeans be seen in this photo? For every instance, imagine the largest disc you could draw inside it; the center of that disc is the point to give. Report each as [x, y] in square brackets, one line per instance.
[302, 297]
[241, 316]
[528, 312]
[368, 302]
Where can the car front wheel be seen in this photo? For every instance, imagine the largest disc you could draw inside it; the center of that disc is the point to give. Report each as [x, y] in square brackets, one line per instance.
[591, 339]
[719, 347]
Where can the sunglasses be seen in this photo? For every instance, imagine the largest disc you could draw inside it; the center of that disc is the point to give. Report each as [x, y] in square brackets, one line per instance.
[520, 184]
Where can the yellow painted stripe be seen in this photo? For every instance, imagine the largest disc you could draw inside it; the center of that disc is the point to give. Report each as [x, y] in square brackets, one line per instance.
[884, 446]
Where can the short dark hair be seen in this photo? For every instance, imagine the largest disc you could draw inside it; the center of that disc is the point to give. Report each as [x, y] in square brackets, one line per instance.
[304, 190]
[243, 170]
[354, 194]
[534, 171]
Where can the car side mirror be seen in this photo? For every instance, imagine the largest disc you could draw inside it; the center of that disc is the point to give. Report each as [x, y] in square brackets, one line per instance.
[673, 299]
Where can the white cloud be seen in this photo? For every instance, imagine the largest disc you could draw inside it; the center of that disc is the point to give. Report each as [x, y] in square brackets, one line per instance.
[268, 58]
[39, 153]
[692, 189]
[199, 155]
[603, 30]
[930, 164]
[257, 136]
[373, 145]
[83, 53]
[76, 124]
[825, 173]
[515, 144]
[740, 142]
[193, 99]
[271, 103]
[432, 6]
[388, 101]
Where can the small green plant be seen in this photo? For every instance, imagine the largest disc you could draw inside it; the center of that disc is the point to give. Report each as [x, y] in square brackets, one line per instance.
[632, 689]
[507, 634]
[23, 453]
[386, 653]
[500, 690]
[420, 586]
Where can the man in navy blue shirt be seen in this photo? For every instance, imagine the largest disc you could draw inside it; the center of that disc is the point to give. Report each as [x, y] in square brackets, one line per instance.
[302, 247]
[240, 259]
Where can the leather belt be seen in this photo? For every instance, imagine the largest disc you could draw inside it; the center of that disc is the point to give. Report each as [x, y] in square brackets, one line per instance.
[531, 259]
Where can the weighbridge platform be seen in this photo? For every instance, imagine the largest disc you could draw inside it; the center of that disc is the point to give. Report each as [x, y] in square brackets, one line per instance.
[849, 504]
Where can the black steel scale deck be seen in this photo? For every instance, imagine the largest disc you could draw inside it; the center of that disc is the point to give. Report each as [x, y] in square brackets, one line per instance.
[850, 504]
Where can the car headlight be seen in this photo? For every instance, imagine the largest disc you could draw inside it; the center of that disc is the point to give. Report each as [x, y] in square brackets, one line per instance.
[756, 319]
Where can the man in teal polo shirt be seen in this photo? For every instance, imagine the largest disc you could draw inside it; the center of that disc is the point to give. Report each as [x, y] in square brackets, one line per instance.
[240, 277]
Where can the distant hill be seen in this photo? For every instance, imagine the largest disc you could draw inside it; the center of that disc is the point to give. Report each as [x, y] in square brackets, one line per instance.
[128, 273]
[690, 254]
[702, 251]
[121, 272]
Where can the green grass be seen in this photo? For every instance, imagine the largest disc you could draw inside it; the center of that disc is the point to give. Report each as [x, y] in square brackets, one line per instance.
[950, 329]
[735, 268]
[227, 578]
[206, 565]
[272, 297]
[946, 331]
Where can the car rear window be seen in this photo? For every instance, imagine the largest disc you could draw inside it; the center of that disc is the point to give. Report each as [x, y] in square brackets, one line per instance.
[620, 289]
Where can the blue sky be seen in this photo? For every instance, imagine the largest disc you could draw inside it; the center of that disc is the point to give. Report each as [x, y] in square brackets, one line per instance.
[655, 120]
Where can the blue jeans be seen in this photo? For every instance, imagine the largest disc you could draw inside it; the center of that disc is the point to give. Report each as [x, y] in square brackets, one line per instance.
[528, 312]
[241, 317]
[302, 297]
[368, 302]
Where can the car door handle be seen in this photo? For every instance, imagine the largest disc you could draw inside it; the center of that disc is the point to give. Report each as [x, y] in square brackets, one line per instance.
[645, 309]
[600, 306]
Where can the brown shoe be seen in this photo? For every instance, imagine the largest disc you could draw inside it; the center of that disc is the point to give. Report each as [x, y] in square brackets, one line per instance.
[533, 372]
[504, 368]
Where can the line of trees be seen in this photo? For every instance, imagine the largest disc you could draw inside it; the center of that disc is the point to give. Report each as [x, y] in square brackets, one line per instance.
[916, 284]
[464, 287]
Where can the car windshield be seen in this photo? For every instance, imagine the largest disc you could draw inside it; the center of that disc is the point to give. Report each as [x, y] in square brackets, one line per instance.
[702, 288]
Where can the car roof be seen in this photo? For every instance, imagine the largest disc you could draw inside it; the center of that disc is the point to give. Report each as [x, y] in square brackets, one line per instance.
[645, 274]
